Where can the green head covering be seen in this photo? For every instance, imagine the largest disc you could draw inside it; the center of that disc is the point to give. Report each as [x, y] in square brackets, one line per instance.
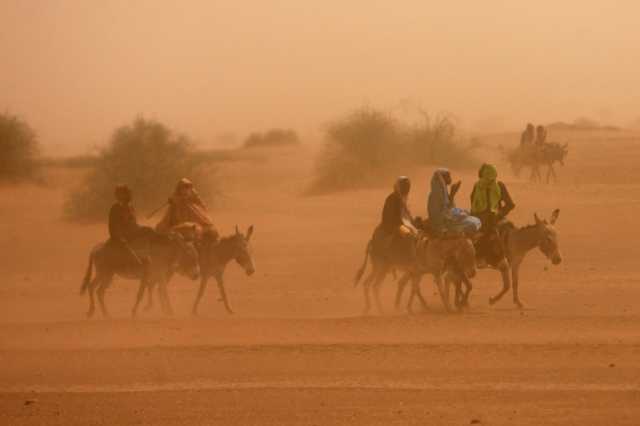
[486, 192]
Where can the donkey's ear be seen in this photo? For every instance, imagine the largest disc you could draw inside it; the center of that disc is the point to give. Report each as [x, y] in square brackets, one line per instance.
[249, 232]
[554, 216]
[237, 230]
[537, 219]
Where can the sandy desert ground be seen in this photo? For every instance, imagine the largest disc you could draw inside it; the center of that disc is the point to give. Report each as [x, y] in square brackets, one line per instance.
[297, 351]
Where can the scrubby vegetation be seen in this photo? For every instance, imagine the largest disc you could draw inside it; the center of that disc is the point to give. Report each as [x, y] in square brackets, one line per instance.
[582, 124]
[363, 148]
[148, 157]
[272, 138]
[18, 150]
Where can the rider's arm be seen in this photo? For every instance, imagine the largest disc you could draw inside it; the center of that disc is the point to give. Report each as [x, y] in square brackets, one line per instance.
[506, 202]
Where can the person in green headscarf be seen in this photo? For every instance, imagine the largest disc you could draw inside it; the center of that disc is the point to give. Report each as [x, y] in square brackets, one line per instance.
[490, 200]
[491, 203]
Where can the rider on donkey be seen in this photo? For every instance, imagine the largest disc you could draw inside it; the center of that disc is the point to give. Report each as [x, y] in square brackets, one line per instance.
[444, 216]
[491, 202]
[124, 228]
[185, 205]
[396, 233]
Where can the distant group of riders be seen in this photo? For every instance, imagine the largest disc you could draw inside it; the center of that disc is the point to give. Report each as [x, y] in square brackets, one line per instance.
[535, 151]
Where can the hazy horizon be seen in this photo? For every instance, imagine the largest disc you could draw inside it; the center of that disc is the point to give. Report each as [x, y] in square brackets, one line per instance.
[75, 70]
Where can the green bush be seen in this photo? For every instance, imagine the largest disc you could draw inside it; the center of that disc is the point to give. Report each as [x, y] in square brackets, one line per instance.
[368, 145]
[18, 150]
[272, 138]
[150, 159]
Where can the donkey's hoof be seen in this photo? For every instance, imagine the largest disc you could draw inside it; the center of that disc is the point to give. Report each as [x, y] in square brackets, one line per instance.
[89, 314]
[519, 304]
[492, 301]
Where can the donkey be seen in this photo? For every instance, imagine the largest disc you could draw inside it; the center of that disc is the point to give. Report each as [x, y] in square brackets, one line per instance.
[534, 157]
[432, 258]
[435, 257]
[214, 259]
[553, 153]
[161, 254]
[517, 243]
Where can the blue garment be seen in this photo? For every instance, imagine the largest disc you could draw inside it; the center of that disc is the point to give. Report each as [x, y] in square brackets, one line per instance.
[438, 205]
[443, 216]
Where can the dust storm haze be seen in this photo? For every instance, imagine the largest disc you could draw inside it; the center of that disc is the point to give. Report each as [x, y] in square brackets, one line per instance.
[78, 69]
[560, 347]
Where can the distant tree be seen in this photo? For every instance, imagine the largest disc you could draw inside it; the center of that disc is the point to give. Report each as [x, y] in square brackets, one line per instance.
[18, 150]
[148, 157]
[367, 146]
[272, 138]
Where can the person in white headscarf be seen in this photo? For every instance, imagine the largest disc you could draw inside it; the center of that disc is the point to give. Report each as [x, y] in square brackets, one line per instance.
[444, 216]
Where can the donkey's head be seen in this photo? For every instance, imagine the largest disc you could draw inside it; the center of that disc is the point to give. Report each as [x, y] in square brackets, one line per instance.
[241, 250]
[548, 238]
[187, 258]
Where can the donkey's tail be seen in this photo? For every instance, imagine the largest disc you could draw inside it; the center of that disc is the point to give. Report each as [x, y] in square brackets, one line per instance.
[360, 272]
[87, 275]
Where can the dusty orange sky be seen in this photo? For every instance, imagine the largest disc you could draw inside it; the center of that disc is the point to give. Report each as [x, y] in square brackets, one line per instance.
[77, 69]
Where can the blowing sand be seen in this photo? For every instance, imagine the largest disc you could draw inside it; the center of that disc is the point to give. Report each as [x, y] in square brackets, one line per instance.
[297, 351]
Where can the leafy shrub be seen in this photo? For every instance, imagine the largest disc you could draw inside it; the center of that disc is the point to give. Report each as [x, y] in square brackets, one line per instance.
[150, 159]
[368, 145]
[18, 150]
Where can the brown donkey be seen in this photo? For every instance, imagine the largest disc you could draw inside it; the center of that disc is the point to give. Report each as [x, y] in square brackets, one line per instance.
[433, 257]
[215, 257]
[436, 256]
[517, 243]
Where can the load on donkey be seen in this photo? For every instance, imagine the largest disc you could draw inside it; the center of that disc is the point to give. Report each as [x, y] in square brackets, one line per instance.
[534, 151]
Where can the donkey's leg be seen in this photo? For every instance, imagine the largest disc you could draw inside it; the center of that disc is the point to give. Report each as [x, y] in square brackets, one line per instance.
[465, 296]
[401, 285]
[203, 286]
[141, 288]
[366, 285]
[104, 284]
[515, 275]
[552, 173]
[151, 287]
[417, 290]
[503, 267]
[164, 296]
[376, 289]
[223, 293]
[441, 290]
[92, 299]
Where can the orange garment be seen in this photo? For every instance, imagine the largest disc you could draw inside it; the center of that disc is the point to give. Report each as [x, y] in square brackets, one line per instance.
[183, 208]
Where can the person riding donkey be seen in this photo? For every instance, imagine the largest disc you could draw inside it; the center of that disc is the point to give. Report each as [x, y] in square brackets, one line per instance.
[124, 228]
[185, 205]
[395, 237]
[444, 216]
[491, 203]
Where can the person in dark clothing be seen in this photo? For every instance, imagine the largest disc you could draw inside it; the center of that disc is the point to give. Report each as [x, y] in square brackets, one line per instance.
[396, 232]
[123, 228]
[491, 203]
[528, 136]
